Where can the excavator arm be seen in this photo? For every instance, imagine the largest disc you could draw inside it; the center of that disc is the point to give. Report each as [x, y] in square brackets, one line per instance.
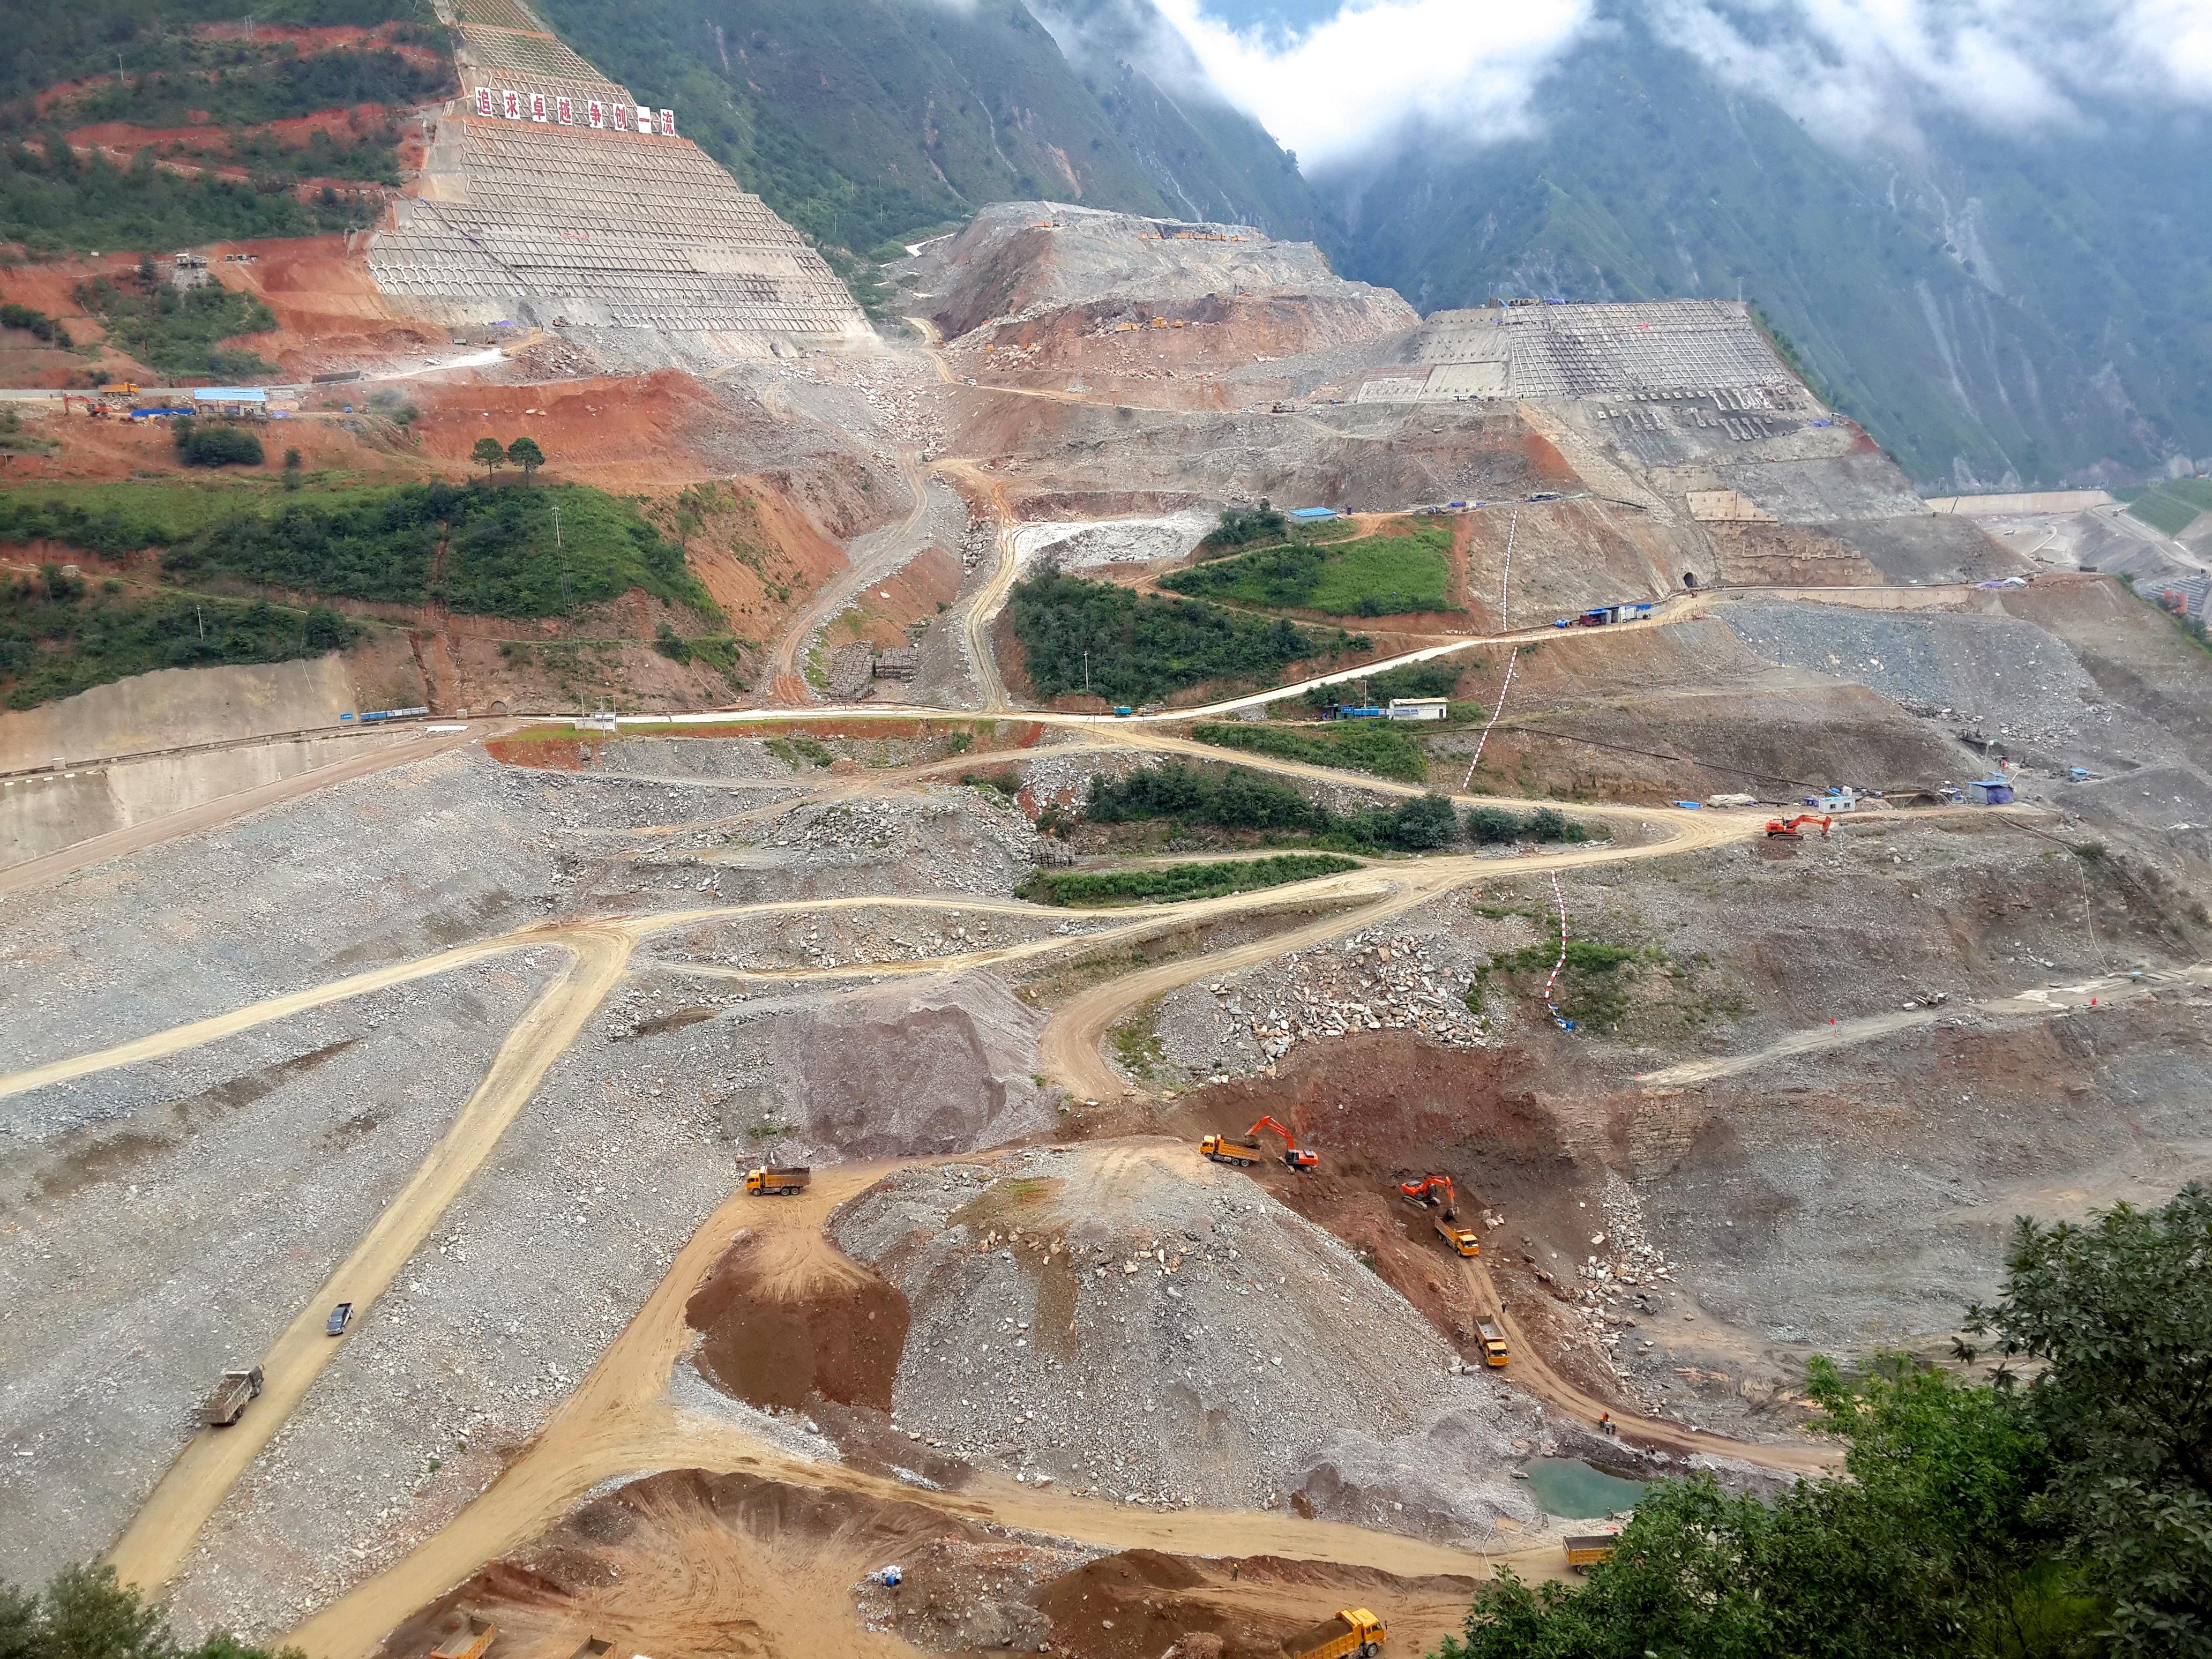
[1421, 1192]
[1298, 1157]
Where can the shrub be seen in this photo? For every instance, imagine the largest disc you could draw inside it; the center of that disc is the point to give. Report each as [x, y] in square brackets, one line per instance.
[216, 446]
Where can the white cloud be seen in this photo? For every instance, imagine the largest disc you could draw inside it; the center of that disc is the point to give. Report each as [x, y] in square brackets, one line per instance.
[1378, 67]
[1860, 71]
[1380, 71]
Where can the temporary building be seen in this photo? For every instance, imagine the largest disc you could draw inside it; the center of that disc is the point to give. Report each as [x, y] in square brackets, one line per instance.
[1988, 792]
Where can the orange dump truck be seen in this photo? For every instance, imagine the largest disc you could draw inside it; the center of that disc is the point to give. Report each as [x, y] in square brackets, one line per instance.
[1353, 1631]
[1493, 1344]
[1458, 1237]
[469, 1642]
[770, 1182]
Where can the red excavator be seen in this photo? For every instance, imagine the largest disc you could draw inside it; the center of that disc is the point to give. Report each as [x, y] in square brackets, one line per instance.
[1793, 829]
[1222, 1150]
[1423, 1192]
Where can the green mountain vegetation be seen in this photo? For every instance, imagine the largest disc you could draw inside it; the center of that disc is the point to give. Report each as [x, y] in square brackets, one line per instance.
[490, 552]
[138, 62]
[2062, 1508]
[1127, 647]
[1992, 310]
[2171, 507]
[1211, 880]
[863, 121]
[60, 635]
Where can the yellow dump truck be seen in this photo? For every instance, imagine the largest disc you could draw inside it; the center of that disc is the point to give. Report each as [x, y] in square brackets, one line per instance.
[770, 1182]
[1222, 1150]
[1353, 1631]
[469, 1642]
[1585, 1550]
[1493, 1344]
[1458, 1237]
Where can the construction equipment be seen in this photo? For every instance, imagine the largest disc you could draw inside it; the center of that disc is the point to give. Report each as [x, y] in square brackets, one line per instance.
[1792, 829]
[1493, 1345]
[232, 1395]
[1222, 1150]
[770, 1182]
[469, 1642]
[1423, 1192]
[1460, 1238]
[1353, 1631]
[1298, 1157]
[1587, 1550]
[1426, 1193]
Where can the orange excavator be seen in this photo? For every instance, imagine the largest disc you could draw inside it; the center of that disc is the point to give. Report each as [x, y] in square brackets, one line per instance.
[1244, 1153]
[1425, 1193]
[1793, 829]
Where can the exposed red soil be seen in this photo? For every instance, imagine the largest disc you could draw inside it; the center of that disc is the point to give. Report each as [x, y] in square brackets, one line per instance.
[781, 1326]
[625, 434]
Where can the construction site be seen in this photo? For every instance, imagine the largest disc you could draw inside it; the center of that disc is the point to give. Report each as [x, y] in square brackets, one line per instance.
[522, 1138]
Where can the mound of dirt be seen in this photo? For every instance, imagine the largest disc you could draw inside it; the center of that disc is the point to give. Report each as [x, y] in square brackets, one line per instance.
[1031, 257]
[944, 1066]
[1125, 1317]
[783, 1318]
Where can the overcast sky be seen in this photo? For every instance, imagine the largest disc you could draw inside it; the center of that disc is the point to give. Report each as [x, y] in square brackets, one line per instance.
[1334, 78]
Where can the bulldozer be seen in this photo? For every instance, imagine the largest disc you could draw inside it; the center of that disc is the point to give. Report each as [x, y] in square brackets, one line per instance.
[1423, 1192]
[1793, 829]
[1246, 1152]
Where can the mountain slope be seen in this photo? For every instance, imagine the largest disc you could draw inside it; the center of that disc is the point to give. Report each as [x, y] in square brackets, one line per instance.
[1994, 311]
[863, 120]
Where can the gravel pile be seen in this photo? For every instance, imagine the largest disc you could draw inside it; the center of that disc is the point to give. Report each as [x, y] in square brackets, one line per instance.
[2009, 677]
[1393, 979]
[1124, 1320]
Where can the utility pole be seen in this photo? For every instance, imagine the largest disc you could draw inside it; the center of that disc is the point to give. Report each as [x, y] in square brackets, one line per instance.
[1086, 671]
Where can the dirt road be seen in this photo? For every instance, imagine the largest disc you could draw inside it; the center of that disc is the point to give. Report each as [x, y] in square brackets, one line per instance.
[119, 843]
[159, 1539]
[620, 1423]
[1530, 1369]
[887, 549]
[2043, 1004]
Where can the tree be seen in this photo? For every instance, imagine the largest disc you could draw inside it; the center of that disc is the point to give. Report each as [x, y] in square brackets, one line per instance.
[85, 1614]
[525, 454]
[291, 469]
[490, 454]
[2118, 1312]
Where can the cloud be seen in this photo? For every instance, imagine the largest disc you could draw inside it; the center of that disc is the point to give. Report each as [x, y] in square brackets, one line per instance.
[1379, 73]
[1864, 71]
[1379, 68]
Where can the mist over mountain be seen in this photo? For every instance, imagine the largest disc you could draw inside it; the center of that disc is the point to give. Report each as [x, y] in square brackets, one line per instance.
[1992, 248]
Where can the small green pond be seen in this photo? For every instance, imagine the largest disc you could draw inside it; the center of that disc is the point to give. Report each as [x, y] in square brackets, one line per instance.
[1572, 1489]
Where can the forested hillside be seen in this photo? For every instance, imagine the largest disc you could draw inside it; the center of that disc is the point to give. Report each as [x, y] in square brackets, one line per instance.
[864, 121]
[1993, 309]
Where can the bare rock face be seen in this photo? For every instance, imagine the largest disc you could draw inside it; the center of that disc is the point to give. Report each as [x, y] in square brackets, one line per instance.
[1031, 258]
[907, 1069]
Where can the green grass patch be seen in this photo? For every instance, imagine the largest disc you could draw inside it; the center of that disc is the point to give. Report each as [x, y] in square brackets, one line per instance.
[799, 751]
[1095, 888]
[60, 635]
[1139, 647]
[490, 552]
[1401, 569]
[176, 332]
[1364, 746]
[2174, 506]
[1592, 991]
[1493, 826]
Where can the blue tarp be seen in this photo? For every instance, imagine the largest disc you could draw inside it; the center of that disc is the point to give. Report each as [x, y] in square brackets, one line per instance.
[1313, 512]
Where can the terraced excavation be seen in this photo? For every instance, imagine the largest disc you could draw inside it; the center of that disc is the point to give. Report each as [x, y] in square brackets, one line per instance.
[739, 1138]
